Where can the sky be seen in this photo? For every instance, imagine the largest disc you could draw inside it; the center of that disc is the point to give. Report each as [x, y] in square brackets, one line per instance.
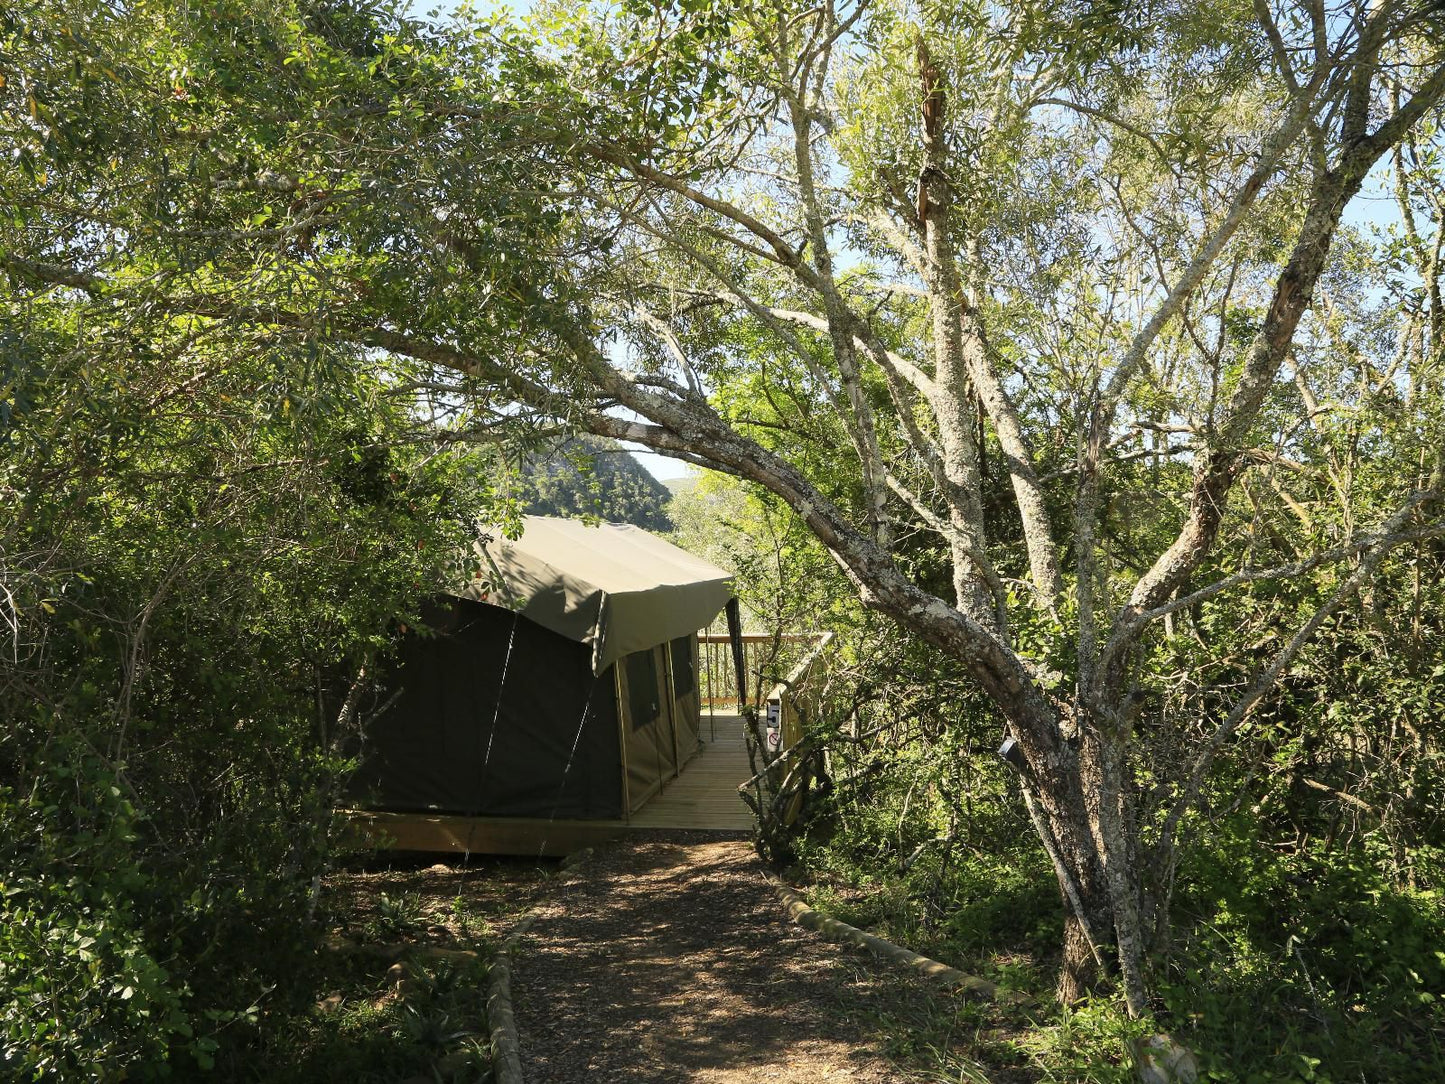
[660, 466]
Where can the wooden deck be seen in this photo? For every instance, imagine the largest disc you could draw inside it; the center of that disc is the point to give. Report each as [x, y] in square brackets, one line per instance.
[704, 796]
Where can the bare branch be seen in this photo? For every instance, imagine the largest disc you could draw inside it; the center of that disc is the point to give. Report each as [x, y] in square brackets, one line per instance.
[1352, 548]
[1268, 675]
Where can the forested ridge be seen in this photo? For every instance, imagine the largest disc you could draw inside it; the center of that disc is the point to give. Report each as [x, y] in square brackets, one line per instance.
[591, 477]
[1078, 365]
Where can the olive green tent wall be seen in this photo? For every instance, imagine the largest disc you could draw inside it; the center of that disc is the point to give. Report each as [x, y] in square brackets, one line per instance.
[496, 716]
[661, 714]
[682, 663]
[499, 715]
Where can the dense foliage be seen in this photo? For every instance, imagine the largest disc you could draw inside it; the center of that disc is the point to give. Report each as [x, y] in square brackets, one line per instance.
[200, 536]
[207, 531]
[1305, 937]
[1056, 334]
[1306, 928]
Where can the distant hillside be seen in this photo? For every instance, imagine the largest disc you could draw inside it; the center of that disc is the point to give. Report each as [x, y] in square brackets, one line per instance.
[679, 487]
[593, 476]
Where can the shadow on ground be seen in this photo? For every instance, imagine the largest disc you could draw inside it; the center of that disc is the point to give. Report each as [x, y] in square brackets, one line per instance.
[666, 960]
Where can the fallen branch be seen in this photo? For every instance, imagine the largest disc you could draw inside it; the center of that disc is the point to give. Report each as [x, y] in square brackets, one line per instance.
[801, 913]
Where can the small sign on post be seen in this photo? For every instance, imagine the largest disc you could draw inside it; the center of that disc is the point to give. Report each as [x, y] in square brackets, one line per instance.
[774, 735]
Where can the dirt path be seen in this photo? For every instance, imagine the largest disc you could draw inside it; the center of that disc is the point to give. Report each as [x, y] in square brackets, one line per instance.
[666, 958]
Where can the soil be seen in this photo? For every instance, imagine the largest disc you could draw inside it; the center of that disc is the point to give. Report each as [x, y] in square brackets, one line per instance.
[440, 903]
[667, 958]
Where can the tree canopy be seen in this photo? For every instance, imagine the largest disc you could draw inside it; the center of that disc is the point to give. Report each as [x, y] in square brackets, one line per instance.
[1054, 327]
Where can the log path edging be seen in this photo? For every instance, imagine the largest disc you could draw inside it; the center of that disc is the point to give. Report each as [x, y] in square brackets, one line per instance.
[501, 1020]
[800, 912]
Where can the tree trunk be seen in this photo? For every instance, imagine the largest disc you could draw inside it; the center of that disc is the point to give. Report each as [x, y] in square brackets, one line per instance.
[1087, 912]
[1085, 895]
[1076, 798]
[1079, 971]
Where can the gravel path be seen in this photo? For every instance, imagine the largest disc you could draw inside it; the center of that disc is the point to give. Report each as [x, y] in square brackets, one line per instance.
[666, 958]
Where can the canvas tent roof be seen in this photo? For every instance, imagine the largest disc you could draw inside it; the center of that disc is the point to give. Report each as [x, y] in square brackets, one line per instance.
[614, 587]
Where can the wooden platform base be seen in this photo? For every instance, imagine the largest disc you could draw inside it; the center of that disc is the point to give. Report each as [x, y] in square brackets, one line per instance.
[704, 796]
[480, 835]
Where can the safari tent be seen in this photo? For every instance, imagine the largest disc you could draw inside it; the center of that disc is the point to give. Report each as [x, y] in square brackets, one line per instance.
[563, 684]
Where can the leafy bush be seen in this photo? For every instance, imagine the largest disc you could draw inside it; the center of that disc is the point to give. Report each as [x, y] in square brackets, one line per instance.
[189, 591]
[84, 988]
[1308, 965]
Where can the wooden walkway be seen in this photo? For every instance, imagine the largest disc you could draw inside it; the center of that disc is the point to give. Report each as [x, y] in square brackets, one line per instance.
[705, 795]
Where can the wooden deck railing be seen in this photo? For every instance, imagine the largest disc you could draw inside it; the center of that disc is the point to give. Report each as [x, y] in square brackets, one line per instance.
[767, 658]
[793, 701]
[784, 762]
[785, 677]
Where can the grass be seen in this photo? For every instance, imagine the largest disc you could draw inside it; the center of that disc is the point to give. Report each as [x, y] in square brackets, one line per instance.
[362, 1030]
[1299, 969]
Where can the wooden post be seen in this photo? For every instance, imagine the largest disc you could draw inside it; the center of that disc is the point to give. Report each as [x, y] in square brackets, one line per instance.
[621, 740]
[711, 690]
[667, 679]
[735, 634]
[664, 715]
